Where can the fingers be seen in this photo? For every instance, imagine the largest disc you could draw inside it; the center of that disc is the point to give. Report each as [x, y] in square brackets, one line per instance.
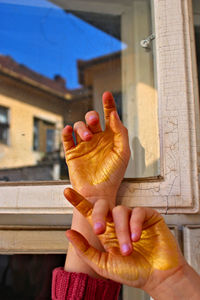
[67, 138]
[93, 122]
[112, 120]
[81, 131]
[138, 217]
[108, 106]
[99, 213]
[84, 249]
[121, 217]
[79, 202]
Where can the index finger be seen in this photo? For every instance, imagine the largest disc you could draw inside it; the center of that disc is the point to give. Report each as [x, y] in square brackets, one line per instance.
[79, 202]
[108, 106]
[141, 218]
[67, 138]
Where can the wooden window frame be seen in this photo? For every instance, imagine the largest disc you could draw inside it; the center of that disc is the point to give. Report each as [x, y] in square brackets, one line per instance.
[177, 189]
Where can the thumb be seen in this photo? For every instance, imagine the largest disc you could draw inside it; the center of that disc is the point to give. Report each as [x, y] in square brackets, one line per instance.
[115, 122]
[90, 255]
[121, 140]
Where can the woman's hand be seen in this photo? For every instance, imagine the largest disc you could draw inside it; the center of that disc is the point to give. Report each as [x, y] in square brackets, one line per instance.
[98, 161]
[139, 248]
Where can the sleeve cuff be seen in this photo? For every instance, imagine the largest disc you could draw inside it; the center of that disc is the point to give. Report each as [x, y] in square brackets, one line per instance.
[70, 285]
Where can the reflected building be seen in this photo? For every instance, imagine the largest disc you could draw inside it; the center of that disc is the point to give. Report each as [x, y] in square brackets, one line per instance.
[102, 74]
[33, 111]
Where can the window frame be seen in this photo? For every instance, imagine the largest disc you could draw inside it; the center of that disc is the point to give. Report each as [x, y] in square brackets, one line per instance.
[177, 189]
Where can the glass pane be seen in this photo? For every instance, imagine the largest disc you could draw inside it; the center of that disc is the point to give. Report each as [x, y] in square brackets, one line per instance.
[3, 115]
[57, 58]
[196, 15]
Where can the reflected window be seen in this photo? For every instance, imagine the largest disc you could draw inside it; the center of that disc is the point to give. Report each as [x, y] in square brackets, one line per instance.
[4, 125]
[44, 136]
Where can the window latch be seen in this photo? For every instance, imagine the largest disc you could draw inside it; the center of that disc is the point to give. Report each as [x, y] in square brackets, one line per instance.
[146, 43]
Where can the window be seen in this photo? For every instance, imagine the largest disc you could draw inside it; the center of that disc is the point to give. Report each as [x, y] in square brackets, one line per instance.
[123, 66]
[43, 136]
[57, 60]
[4, 125]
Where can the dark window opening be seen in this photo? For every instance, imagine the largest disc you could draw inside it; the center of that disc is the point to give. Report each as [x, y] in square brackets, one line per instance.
[4, 125]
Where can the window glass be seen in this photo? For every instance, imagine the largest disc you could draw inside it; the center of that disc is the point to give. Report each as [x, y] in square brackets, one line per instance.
[4, 125]
[56, 59]
[196, 16]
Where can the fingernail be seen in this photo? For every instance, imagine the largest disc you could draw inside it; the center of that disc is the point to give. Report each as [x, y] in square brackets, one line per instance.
[87, 135]
[133, 236]
[98, 226]
[93, 118]
[125, 248]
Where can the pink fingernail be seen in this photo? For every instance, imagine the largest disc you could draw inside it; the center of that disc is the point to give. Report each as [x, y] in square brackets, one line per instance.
[93, 118]
[87, 135]
[98, 226]
[125, 248]
[133, 236]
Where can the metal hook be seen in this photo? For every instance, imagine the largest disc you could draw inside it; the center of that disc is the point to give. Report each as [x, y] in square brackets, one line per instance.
[146, 43]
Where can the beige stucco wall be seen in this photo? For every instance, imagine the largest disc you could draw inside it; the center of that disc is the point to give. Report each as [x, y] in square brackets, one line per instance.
[105, 80]
[24, 104]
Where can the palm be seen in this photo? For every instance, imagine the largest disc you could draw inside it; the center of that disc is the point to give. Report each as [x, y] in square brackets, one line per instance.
[96, 164]
[156, 251]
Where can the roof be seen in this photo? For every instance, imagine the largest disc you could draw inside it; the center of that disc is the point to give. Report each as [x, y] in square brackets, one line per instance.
[105, 60]
[56, 86]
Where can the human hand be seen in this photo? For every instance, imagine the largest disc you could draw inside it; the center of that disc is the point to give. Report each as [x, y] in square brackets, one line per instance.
[98, 162]
[139, 248]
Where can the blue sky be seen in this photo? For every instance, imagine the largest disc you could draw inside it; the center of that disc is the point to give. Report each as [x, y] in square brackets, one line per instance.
[48, 40]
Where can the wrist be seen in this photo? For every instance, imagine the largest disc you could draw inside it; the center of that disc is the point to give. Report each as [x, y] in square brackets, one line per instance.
[73, 263]
[94, 193]
[183, 284]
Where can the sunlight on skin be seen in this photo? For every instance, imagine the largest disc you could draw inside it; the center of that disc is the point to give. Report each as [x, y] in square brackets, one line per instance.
[155, 251]
[93, 161]
[97, 164]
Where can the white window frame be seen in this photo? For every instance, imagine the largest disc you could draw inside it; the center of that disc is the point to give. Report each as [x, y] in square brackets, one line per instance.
[177, 189]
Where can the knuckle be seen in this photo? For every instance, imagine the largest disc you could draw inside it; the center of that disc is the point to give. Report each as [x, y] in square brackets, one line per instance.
[78, 125]
[122, 232]
[139, 210]
[117, 209]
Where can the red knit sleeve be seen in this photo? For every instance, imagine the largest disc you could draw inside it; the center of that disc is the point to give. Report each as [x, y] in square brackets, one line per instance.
[79, 286]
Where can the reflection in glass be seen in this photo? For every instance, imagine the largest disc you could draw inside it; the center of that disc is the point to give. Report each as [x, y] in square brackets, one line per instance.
[196, 15]
[4, 125]
[56, 60]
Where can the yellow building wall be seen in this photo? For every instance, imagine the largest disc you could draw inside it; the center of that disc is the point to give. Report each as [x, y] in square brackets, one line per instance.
[105, 81]
[24, 104]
